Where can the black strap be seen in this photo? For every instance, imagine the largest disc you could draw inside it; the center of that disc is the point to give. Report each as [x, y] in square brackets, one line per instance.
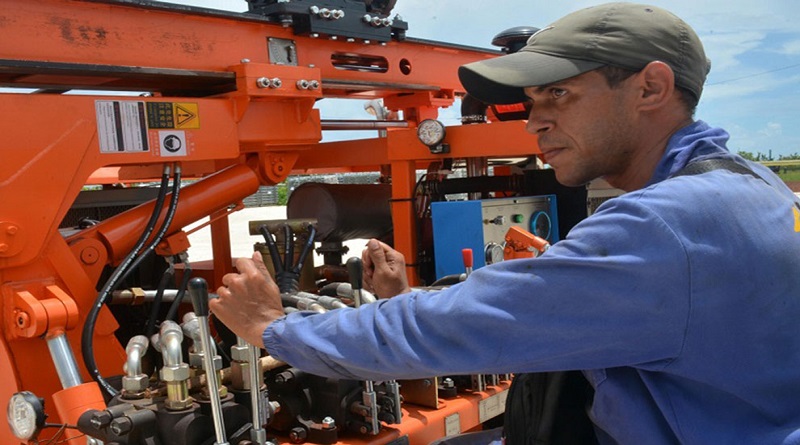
[707, 165]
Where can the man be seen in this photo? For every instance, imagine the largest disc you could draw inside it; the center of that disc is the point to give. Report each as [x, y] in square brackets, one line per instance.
[679, 300]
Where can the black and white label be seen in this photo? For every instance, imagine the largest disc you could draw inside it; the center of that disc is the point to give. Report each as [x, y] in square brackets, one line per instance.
[172, 143]
[121, 126]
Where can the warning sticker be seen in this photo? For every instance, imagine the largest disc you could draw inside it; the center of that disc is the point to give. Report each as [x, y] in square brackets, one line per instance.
[121, 126]
[172, 143]
[186, 115]
[173, 115]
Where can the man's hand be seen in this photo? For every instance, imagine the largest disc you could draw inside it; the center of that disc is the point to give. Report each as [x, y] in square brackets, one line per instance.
[384, 270]
[248, 301]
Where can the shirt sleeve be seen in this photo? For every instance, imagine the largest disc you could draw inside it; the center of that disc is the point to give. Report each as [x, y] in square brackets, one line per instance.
[614, 293]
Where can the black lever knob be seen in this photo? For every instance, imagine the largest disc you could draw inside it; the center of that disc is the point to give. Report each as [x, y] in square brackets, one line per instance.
[198, 292]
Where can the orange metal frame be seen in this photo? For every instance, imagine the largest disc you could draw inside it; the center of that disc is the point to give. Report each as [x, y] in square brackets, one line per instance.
[238, 135]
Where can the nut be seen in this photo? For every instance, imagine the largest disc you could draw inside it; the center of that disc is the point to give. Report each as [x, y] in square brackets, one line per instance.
[135, 384]
[240, 353]
[175, 374]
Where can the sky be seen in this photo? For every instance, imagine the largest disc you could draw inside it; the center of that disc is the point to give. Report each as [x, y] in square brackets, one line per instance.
[752, 91]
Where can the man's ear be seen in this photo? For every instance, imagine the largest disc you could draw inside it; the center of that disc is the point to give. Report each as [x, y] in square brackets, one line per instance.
[657, 83]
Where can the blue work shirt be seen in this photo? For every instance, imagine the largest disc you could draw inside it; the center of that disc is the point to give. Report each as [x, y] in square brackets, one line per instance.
[679, 301]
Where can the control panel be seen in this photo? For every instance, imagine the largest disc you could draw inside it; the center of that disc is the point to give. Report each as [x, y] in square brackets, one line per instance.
[481, 225]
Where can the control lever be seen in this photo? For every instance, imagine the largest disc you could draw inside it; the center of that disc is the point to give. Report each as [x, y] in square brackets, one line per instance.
[198, 291]
[369, 399]
[355, 269]
[258, 435]
[466, 255]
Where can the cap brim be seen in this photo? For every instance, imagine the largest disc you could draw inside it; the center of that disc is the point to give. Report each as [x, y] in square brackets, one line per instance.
[501, 80]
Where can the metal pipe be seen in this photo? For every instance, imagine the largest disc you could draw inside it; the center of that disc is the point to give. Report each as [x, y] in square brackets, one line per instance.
[347, 124]
[258, 434]
[171, 339]
[137, 346]
[64, 361]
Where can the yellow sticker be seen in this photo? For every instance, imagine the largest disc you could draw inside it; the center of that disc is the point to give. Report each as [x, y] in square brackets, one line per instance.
[796, 219]
[187, 115]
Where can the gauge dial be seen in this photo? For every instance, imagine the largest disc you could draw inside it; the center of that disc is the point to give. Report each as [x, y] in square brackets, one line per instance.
[541, 225]
[493, 253]
[431, 132]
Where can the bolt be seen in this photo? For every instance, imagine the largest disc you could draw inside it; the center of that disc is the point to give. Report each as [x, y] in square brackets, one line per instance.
[313, 35]
[366, 42]
[100, 419]
[366, 18]
[89, 255]
[427, 383]
[351, 40]
[263, 82]
[328, 423]
[448, 383]
[302, 84]
[376, 21]
[298, 435]
[121, 426]
[245, 60]
[314, 10]
[334, 37]
[23, 319]
[338, 14]
[275, 82]
[325, 13]
[314, 84]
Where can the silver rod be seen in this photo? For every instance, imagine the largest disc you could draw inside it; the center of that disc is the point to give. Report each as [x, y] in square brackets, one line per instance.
[64, 360]
[212, 382]
[258, 434]
[345, 124]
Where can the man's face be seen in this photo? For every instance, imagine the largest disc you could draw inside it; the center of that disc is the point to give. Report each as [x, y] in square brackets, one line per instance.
[584, 127]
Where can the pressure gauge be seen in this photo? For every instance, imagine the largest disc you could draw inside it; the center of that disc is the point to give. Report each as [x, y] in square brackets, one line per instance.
[431, 132]
[493, 253]
[25, 415]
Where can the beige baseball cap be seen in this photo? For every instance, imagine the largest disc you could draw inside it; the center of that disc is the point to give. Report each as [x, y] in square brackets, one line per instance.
[625, 35]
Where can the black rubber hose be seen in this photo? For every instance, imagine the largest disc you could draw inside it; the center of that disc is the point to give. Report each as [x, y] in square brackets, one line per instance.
[166, 277]
[176, 303]
[87, 335]
[273, 248]
[312, 233]
[171, 210]
[288, 247]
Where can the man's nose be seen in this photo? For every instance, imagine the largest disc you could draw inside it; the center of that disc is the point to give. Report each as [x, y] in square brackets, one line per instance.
[537, 124]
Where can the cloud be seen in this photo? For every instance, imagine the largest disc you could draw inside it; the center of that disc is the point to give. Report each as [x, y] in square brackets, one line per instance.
[772, 129]
[791, 48]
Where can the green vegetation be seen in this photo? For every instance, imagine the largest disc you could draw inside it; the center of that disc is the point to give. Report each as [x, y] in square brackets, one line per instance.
[283, 195]
[786, 169]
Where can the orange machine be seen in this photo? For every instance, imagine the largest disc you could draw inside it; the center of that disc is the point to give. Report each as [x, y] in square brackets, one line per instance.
[230, 98]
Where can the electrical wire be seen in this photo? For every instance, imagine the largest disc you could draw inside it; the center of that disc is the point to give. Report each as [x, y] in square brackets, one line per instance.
[87, 335]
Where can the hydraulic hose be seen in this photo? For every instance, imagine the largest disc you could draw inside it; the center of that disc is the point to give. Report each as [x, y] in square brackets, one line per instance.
[173, 206]
[87, 335]
[166, 277]
[176, 303]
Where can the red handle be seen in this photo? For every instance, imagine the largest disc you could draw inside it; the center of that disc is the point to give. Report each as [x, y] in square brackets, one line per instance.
[467, 255]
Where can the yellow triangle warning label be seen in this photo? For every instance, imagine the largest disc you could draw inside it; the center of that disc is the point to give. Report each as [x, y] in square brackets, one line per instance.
[186, 115]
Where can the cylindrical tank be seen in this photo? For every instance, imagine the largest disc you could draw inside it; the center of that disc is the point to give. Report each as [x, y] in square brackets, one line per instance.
[344, 211]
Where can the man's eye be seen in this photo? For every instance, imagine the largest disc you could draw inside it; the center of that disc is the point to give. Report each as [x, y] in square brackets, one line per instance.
[558, 92]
